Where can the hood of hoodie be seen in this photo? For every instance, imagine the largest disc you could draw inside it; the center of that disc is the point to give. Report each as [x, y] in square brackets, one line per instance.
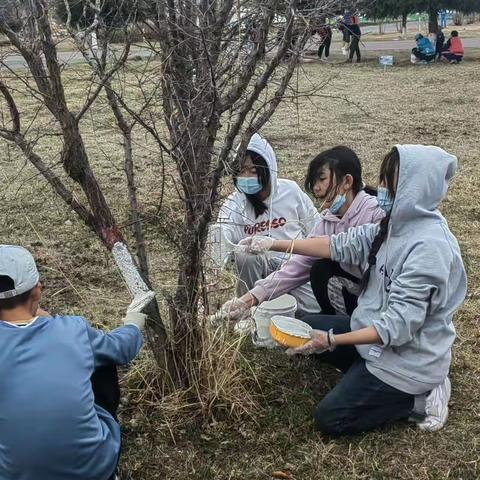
[261, 146]
[424, 176]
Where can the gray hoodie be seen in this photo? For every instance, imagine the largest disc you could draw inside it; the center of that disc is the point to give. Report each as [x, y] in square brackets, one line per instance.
[419, 280]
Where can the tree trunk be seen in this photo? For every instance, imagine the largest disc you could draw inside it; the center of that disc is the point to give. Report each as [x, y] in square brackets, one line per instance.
[404, 24]
[196, 181]
[432, 19]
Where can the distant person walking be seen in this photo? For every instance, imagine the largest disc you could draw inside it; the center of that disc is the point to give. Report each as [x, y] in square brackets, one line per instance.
[345, 36]
[355, 34]
[325, 33]
[454, 50]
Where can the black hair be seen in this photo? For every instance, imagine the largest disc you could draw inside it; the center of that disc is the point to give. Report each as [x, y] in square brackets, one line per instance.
[263, 175]
[341, 161]
[454, 33]
[6, 284]
[388, 175]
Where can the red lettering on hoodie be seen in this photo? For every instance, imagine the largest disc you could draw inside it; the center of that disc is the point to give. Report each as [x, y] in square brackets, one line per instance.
[261, 227]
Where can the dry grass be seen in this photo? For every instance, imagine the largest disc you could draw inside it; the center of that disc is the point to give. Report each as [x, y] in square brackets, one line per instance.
[435, 105]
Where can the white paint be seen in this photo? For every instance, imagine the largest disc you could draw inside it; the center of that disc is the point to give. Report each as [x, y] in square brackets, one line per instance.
[129, 271]
[292, 326]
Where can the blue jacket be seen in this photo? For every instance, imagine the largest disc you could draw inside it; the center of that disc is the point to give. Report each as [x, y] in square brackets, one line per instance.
[50, 427]
[425, 46]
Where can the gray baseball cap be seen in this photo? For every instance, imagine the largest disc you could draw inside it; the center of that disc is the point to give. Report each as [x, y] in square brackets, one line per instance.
[18, 264]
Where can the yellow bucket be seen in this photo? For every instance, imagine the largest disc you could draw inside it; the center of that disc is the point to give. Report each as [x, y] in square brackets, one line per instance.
[289, 332]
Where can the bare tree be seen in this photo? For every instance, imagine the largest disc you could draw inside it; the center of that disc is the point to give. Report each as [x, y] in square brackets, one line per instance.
[31, 35]
[218, 70]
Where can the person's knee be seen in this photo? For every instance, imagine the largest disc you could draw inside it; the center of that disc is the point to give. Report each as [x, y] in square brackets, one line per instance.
[328, 420]
[246, 260]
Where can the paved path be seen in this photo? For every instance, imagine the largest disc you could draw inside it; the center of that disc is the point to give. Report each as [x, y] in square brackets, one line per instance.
[16, 61]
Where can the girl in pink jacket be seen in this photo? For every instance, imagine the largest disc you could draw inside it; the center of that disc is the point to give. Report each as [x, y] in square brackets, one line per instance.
[335, 177]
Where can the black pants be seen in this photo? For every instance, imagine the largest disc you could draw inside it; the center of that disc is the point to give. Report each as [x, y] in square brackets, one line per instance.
[438, 50]
[422, 56]
[325, 46]
[106, 391]
[451, 56]
[355, 48]
[360, 401]
[320, 274]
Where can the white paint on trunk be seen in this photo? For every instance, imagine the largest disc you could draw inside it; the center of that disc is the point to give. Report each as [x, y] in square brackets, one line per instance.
[129, 271]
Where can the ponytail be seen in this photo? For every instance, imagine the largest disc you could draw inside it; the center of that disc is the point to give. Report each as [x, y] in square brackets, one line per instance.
[370, 190]
[388, 175]
[372, 256]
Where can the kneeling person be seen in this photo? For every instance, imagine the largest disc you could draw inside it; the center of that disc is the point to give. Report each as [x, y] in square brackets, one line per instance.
[58, 381]
[266, 205]
[454, 49]
[424, 50]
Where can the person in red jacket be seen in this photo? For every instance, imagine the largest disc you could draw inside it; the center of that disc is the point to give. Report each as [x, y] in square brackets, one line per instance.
[454, 49]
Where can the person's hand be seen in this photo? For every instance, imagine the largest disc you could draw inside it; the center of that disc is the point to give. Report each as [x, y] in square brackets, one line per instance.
[135, 318]
[257, 245]
[140, 301]
[235, 309]
[320, 342]
[134, 314]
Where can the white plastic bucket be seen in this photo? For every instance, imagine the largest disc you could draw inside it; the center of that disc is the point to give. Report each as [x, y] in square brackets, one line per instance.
[286, 305]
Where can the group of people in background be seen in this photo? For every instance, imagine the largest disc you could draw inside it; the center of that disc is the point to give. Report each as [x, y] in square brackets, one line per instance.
[349, 26]
[425, 51]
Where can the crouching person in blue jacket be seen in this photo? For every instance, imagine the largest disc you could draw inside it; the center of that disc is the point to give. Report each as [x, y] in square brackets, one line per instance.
[396, 349]
[424, 50]
[58, 382]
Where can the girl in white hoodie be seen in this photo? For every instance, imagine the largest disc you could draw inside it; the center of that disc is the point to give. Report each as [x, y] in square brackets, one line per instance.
[266, 205]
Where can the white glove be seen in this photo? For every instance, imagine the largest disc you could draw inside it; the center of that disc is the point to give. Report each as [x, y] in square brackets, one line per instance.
[134, 314]
[235, 309]
[141, 301]
[320, 342]
[135, 318]
[257, 244]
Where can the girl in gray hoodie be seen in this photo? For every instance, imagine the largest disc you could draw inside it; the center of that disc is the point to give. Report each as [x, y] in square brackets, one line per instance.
[395, 350]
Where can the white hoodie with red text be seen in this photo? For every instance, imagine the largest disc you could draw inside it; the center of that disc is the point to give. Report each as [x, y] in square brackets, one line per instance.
[290, 214]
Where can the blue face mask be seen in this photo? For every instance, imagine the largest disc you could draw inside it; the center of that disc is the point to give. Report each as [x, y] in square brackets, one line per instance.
[385, 201]
[337, 203]
[249, 185]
